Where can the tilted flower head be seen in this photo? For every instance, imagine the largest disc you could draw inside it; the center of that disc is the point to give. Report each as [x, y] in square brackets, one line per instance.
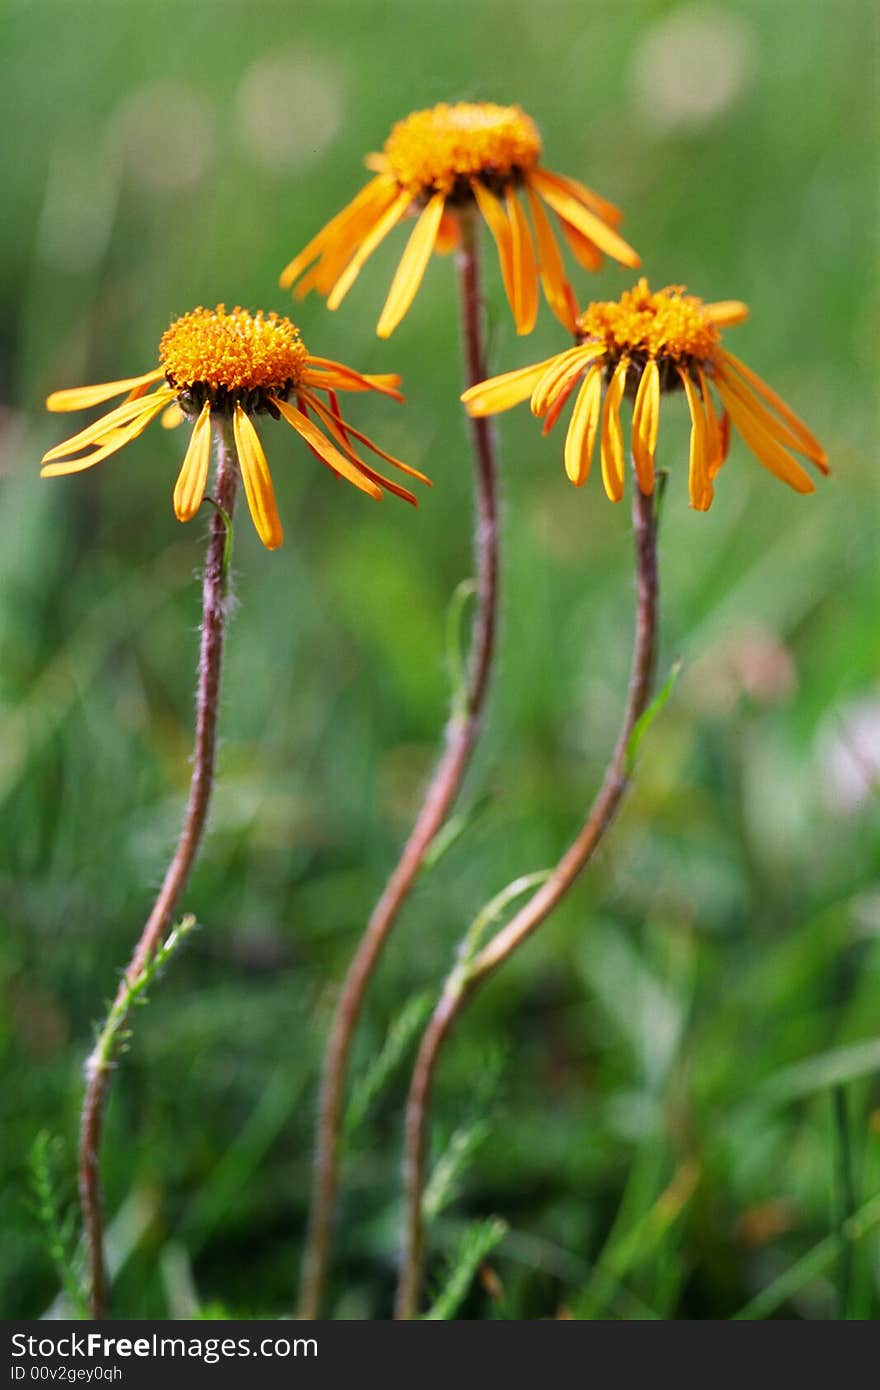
[234, 366]
[643, 345]
[438, 162]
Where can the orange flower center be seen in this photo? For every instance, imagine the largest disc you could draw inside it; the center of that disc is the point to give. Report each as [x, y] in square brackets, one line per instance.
[668, 325]
[433, 151]
[232, 354]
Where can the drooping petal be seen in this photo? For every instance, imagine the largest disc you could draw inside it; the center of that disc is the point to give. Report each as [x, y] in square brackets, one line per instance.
[525, 269]
[326, 374]
[345, 241]
[412, 267]
[585, 253]
[558, 405]
[715, 444]
[772, 423]
[502, 392]
[193, 476]
[699, 483]
[726, 313]
[573, 360]
[585, 221]
[327, 451]
[107, 443]
[257, 481]
[580, 440]
[348, 429]
[123, 415]
[377, 234]
[809, 444]
[645, 422]
[497, 222]
[608, 212]
[340, 430]
[448, 236]
[770, 452]
[612, 435]
[172, 416]
[373, 198]
[557, 290]
[82, 397]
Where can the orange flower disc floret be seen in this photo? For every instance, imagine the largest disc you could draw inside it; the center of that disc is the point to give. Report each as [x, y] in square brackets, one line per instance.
[237, 351]
[668, 324]
[432, 151]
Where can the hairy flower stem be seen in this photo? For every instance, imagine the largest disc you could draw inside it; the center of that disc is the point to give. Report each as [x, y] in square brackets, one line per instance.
[471, 970]
[462, 732]
[100, 1064]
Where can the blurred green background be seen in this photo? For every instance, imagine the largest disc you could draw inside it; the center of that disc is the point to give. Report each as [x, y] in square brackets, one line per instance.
[645, 1093]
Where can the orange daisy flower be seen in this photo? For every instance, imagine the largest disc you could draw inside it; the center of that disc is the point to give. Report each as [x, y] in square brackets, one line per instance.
[231, 367]
[644, 345]
[437, 163]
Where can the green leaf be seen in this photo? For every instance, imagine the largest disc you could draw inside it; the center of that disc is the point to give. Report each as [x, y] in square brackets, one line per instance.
[397, 1041]
[456, 658]
[811, 1265]
[831, 1068]
[643, 724]
[475, 1245]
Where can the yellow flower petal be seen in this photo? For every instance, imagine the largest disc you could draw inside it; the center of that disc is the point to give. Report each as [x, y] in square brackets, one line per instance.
[715, 443]
[172, 416]
[772, 423]
[109, 442]
[326, 451]
[326, 374]
[726, 313]
[502, 392]
[334, 417]
[808, 444]
[377, 234]
[645, 421]
[340, 430]
[559, 373]
[493, 214]
[257, 481]
[525, 270]
[585, 253]
[193, 476]
[372, 200]
[699, 483]
[557, 290]
[123, 415]
[412, 267]
[600, 206]
[448, 237]
[612, 434]
[82, 397]
[585, 221]
[770, 452]
[580, 440]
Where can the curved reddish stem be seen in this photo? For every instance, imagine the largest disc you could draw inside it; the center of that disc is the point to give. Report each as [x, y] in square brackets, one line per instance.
[462, 732]
[100, 1064]
[466, 977]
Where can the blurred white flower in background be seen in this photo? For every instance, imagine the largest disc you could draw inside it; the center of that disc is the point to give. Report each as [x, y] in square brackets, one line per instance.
[163, 137]
[690, 66]
[289, 108]
[848, 755]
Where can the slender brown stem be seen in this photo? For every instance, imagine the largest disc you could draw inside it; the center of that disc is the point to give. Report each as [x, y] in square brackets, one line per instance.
[462, 732]
[99, 1067]
[470, 972]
